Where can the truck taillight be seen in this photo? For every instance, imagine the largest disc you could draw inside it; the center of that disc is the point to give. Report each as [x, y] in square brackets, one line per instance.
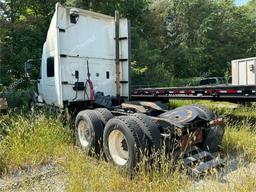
[218, 121]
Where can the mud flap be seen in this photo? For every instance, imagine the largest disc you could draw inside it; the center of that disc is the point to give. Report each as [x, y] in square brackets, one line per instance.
[213, 138]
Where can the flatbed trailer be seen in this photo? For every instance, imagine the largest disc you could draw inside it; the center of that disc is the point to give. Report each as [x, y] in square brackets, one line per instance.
[232, 93]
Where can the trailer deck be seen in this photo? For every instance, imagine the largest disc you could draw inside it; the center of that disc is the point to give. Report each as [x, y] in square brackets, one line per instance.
[244, 93]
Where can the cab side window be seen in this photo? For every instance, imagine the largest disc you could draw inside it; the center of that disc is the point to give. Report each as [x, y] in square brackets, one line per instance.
[50, 67]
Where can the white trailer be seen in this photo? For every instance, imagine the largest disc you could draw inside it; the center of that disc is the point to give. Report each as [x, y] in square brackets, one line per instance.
[244, 71]
[85, 69]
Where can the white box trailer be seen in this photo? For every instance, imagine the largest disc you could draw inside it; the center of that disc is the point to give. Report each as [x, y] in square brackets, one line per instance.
[244, 71]
[80, 46]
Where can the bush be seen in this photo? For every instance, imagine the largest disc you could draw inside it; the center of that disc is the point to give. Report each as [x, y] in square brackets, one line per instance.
[18, 98]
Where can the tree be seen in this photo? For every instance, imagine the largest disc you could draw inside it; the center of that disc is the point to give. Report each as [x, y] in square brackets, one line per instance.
[24, 26]
[204, 36]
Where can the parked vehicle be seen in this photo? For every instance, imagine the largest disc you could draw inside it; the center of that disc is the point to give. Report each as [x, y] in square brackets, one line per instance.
[213, 81]
[85, 69]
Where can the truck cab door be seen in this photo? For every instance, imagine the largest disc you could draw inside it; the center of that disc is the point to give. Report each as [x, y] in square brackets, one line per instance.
[47, 85]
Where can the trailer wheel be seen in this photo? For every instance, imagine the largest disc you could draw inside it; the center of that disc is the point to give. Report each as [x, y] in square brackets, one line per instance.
[124, 142]
[88, 131]
[104, 114]
[208, 113]
[150, 128]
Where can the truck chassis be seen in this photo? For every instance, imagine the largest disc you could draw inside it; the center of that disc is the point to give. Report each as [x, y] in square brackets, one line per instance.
[128, 134]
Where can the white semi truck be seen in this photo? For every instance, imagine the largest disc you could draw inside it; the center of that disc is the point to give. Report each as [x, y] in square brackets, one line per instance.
[85, 68]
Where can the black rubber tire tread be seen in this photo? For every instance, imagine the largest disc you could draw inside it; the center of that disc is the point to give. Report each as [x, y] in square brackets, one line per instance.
[208, 113]
[96, 126]
[150, 128]
[136, 140]
[104, 114]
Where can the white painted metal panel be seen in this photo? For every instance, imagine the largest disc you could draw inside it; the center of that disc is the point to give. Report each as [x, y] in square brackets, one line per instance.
[72, 45]
[99, 77]
[235, 73]
[251, 72]
[124, 54]
[48, 85]
[242, 68]
[90, 37]
[244, 71]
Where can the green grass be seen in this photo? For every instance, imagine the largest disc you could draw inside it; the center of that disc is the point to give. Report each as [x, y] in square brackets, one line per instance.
[32, 141]
[240, 139]
[88, 174]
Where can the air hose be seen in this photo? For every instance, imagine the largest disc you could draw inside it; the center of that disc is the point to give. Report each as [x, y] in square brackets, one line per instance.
[91, 90]
[89, 82]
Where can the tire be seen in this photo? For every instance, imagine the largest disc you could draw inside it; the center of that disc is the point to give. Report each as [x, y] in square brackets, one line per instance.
[104, 114]
[124, 142]
[207, 113]
[213, 138]
[150, 128]
[88, 131]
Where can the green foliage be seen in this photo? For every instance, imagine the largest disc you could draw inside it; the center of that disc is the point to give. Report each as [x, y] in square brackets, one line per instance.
[24, 26]
[204, 36]
[18, 98]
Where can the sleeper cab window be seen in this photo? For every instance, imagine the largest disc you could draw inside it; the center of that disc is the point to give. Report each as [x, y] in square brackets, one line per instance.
[50, 67]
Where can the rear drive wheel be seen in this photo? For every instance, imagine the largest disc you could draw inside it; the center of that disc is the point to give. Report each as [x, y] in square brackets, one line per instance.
[104, 114]
[88, 131]
[124, 142]
[150, 128]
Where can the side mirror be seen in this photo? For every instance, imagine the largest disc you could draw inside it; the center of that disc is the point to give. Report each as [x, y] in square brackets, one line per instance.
[74, 16]
[28, 68]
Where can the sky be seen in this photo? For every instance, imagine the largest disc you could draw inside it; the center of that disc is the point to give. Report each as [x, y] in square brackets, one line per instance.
[241, 2]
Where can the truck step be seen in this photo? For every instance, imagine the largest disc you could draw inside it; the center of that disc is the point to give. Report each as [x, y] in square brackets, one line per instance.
[199, 162]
